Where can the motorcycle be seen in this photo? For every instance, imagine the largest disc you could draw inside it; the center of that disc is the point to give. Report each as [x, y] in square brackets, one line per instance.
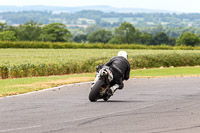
[102, 83]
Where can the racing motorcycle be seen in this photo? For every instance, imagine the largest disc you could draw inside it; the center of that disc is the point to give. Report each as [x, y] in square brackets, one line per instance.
[101, 86]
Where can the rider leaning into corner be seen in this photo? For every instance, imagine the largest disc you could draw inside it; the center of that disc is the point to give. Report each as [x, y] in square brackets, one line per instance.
[120, 68]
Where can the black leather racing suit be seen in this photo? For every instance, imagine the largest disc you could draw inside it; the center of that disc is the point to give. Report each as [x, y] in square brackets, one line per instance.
[120, 68]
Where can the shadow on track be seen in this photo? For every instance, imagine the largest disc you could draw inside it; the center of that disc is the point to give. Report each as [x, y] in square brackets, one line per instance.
[120, 101]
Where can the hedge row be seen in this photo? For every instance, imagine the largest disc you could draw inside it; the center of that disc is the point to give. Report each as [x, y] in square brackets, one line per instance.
[42, 69]
[68, 45]
[139, 61]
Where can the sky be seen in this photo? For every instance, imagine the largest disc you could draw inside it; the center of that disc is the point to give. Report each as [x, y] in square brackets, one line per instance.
[170, 5]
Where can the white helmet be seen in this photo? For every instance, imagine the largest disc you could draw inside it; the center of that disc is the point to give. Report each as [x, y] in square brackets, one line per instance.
[123, 54]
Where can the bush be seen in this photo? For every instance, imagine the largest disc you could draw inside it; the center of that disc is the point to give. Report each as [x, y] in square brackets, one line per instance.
[70, 45]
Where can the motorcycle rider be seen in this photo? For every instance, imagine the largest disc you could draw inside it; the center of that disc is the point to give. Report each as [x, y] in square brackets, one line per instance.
[120, 68]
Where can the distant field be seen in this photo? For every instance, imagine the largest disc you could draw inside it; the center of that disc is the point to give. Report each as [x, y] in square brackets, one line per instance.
[15, 63]
[111, 20]
[21, 56]
[126, 19]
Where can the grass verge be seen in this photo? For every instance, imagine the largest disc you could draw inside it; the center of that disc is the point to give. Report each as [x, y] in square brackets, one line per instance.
[24, 85]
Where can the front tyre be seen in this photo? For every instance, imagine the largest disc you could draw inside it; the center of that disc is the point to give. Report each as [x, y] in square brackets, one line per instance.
[95, 91]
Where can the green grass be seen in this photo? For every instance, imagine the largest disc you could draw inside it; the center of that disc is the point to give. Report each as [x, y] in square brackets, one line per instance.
[24, 85]
[18, 63]
[22, 56]
[162, 72]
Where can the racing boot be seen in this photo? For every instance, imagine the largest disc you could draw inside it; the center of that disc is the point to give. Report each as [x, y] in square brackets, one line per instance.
[110, 92]
[114, 88]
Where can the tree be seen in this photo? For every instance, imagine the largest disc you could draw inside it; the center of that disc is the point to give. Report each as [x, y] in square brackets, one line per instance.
[16, 30]
[188, 39]
[105, 24]
[92, 28]
[30, 31]
[55, 32]
[80, 38]
[116, 24]
[161, 38]
[172, 41]
[126, 33]
[101, 36]
[7, 36]
[147, 39]
[3, 26]
[158, 29]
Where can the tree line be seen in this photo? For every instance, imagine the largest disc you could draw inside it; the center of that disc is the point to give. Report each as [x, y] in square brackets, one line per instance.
[126, 33]
[103, 19]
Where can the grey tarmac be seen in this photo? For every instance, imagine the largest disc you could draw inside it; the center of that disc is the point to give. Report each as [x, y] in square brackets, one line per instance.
[154, 105]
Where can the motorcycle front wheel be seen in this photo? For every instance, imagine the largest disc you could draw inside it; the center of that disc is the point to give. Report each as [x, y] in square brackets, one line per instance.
[95, 91]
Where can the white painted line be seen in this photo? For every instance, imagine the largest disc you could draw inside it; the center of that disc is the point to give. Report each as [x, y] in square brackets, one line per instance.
[17, 129]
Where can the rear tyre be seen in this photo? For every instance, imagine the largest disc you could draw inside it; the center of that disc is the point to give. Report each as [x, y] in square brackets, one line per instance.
[95, 92]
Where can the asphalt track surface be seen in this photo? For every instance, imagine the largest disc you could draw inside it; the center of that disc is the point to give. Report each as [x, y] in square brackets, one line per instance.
[156, 105]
